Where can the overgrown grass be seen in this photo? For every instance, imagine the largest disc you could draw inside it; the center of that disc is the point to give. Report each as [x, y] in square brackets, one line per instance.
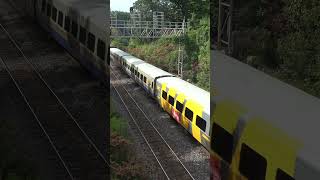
[122, 158]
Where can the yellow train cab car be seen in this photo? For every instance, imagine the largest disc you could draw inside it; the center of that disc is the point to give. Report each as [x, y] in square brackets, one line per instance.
[268, 132]
[189, 105]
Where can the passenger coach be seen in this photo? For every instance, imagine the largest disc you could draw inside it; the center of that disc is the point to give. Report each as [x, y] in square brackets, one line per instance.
[189, 105]
[81, 28]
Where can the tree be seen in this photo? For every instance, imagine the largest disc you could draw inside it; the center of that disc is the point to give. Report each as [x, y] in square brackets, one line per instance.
[120, 15]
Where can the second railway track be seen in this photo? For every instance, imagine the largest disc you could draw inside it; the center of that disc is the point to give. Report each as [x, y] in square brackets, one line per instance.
[79, 156]
[170, 164]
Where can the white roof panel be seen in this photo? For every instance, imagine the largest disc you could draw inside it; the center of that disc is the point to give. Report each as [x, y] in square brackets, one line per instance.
[152, 70]
[119, 52]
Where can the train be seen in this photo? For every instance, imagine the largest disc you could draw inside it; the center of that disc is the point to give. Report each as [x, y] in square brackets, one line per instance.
[262, 128]
[186, 103]
[81, 27]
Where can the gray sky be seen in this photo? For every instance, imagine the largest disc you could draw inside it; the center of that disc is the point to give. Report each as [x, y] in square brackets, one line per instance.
[121, 5]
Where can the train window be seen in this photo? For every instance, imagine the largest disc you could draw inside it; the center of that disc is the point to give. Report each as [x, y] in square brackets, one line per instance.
[60, 18]
[164, 95]
[179, 106]
[83, 35]
[144, 79]
[67, 24]
[252, 165]
[54, 14]
[223, 142]
[48, 10]
[74, 29]
[188, 113]
[171, 100]
[91, 41]
[201, 123]
[101, 49]
[281, 175]
[43, 6]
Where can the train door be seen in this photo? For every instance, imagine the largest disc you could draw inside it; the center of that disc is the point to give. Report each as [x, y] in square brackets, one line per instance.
[164, 97]
[265, 152]
[180, 102]
[225, 117]
[195, 112]
[171, 101]
[157, 90]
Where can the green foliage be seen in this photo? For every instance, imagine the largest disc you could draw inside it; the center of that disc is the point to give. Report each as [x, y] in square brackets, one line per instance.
[299, 49]
[197, 46]
[117, 124]
[175, 10]
[121, 15]
[281, 37]
[122, 158]
[121, 43]
[203, 76]
[164, 52]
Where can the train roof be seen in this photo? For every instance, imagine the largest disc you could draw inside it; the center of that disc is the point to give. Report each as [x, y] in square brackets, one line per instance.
[119, 52]
[95, 10]
[149, 69]
[190, 90]
[286, 107]
[133, 60]
[152, 70]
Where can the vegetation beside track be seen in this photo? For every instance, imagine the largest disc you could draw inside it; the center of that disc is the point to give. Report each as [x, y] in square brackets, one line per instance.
[279, 37]
[122, 158]
[13, 163]
[163, 52]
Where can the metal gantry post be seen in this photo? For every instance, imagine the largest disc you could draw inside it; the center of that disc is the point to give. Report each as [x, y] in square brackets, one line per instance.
[181, 52]
[225, 25]
[157, 28]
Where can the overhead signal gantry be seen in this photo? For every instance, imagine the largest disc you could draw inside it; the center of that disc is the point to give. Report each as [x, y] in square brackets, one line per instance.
[157, 28]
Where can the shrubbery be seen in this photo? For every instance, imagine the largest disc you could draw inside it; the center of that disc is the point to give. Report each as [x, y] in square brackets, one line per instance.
[281, 37]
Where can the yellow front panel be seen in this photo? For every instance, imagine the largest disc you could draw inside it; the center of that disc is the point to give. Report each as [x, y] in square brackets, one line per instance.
[227, 114]
[197, 110]
[277, 148]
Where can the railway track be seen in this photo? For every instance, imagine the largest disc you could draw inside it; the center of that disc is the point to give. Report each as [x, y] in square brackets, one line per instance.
[78, 155]
[170, 164]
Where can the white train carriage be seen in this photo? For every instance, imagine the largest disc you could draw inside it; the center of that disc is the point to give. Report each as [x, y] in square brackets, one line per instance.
[128, 64]
[148, 75]
[81, 28]
[116, 54]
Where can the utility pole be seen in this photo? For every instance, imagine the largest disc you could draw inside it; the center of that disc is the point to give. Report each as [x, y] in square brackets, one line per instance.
[181, 52]
[225, 25]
